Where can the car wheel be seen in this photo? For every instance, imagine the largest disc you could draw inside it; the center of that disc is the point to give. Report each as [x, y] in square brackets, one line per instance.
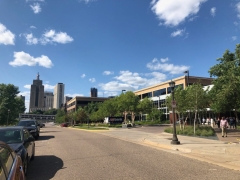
[33, 153]
[25, 166]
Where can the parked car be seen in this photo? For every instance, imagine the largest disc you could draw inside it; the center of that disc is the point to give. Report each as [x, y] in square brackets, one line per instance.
[65, 124]
[32, 125]
[41, 125]
[21, 141]
[11, 166]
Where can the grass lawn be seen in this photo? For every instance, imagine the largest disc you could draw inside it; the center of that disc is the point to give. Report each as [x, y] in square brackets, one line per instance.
[189, 130]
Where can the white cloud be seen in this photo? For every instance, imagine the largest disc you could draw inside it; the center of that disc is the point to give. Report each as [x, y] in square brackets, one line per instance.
[30, 39]
[234, 38]
[33, 27]
[48, 37]
[48, 87]
[108, 72]
[213, 11]
[6, 36]
[36, 8]
[86, 1]
[73, 95]
[165, 67]
[238, 9]
[27, 86]
[162, 59]
[179, 32]
[92, 80]
[193, 18]
[132, 81]
[22, 58]
[51, 36]
[83, 75]
[174, 12]
[35, 0]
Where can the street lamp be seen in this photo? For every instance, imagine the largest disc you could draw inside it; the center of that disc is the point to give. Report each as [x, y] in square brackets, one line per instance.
[123, 90]
[187, 74]
[174, 139]
[8, 116]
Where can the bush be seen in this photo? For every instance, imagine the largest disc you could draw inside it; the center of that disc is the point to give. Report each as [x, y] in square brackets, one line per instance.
[189, 130]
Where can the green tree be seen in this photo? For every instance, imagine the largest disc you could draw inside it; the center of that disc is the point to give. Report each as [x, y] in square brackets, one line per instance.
[60, 116]
[196, 97]
[10, 104]
[52, 111]
[127, 104]
[81, 115]
[226, 91]
[144, 106]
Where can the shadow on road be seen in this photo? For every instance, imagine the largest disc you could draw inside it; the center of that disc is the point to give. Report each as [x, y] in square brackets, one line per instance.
[41, 138]
[44, 167]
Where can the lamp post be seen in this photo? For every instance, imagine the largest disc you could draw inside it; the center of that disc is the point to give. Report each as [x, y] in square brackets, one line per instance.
[159, 108]
[187, 74]
[123, 90]
[174, 139]
[8, 116]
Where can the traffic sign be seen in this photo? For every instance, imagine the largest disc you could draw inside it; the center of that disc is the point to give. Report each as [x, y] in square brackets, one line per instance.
[174, 104]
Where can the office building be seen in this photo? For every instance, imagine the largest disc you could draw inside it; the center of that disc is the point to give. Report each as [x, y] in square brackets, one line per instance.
[159, 92]
[66, 99]
[94, 92]
[48, 100]
[58, 96]
[22, 97]
[36, 95]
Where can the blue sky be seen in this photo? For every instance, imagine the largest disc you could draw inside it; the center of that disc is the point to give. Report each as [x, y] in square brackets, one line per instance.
[112, 44]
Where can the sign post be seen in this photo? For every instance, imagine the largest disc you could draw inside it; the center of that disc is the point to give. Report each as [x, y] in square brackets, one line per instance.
[174, 104]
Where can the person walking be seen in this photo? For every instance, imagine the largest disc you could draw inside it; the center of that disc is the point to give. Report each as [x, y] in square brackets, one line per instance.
[224, 126]
[218, 122]
[212, 122]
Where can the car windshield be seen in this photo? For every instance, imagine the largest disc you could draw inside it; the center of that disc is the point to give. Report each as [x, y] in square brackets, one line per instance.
[11, 136]
[26, 123]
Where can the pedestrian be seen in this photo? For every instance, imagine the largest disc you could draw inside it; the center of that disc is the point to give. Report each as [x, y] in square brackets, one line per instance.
[203, 121]
[224, 126]
[231, 123]
[212, 122]
[218, 122]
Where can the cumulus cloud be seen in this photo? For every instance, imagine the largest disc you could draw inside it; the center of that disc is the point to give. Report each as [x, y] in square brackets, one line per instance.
[33, 27]
[60, 37]
[36, 8]
[234, 38]
[6, 36]
[179, 32]
[30, 39]
[86, 1]
[83, 75]
[238, 9]
[49, 37]
[213, 11]
[108, 72]
[27, 86]
[174, 12]
[132, 81]
[92, 80]
[22, 58]
[48, 87]
[165, 67]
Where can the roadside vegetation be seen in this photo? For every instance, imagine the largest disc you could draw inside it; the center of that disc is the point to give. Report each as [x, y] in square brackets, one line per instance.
[189, 130]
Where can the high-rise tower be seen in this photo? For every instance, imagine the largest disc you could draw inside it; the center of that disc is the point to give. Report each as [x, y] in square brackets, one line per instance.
[36, 95]
[58, 96]
[93, 92]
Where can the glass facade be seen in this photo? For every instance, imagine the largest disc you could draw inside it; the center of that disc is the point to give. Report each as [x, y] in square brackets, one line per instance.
[148, 95]
[159, 92]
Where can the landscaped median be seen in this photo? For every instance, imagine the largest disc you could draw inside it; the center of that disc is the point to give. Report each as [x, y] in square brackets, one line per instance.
[90, 127]
[203, 131]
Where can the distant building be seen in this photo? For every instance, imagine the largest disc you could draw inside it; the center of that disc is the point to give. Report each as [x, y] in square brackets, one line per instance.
[48, 100]
[22, 97]
[58, 96]
[66, 99]
[94, 92]
[36, 95]
[81, 101]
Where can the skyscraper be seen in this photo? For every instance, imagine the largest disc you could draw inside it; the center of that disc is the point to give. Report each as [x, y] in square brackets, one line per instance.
[48, 100]
[36, 95]
[58, 96]
[93, 92]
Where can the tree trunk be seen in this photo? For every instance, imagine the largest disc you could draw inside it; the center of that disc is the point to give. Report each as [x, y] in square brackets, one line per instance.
[133, 117]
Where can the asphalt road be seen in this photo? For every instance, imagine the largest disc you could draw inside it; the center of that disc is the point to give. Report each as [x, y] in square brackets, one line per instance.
[64, 154]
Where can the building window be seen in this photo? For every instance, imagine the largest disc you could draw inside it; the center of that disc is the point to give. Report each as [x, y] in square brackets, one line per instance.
[148, 95]
[159, 92]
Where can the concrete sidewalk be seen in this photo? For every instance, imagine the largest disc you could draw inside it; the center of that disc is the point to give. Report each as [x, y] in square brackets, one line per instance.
[212, 151]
